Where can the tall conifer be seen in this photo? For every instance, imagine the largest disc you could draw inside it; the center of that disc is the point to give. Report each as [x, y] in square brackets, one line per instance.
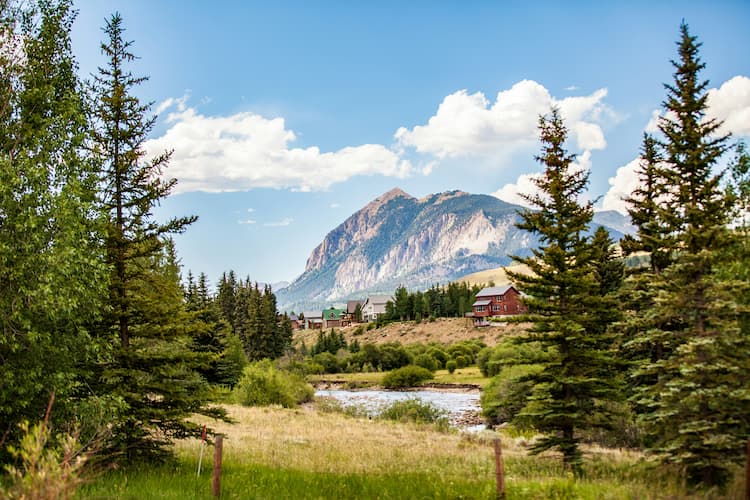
[154, 370]
[697, 406]
[562, 298]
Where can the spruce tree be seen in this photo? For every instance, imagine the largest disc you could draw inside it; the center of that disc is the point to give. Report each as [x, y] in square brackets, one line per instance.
[154, 371]
[695, 411]
[570, 392]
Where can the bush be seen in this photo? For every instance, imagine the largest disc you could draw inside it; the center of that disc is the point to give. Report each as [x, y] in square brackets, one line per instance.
[263, 384]
[394, 356]
[407, 376]
[463, 361]
[451, 365]
[427, 361]
[415, 410]
[328, 361]
[440, 355]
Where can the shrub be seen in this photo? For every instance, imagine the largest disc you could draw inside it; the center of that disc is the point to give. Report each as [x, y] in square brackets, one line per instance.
[427, 361]
[328, 361]
[451, 365]
[440, 355]
[415, 410]
[407, 376]
[263, 384]
[394, 356]
[463, 361]
[44, 470]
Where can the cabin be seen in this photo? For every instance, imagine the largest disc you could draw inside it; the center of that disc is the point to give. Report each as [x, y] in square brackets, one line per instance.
[313, 320]
[296, 321]
[333, 317]
[374, 306]
[496, 301]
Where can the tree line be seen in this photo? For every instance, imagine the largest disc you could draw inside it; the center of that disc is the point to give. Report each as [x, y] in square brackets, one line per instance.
[668, 341]
[92, 307]
[448, 301]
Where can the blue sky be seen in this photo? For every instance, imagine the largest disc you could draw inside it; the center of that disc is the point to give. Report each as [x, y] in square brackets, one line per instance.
[286, 117]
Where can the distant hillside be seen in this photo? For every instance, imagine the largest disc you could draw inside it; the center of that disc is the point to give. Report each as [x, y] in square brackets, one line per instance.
[496, 276]
[400, 240]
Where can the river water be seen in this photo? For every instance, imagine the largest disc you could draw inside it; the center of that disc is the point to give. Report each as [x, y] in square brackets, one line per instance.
[462, 408]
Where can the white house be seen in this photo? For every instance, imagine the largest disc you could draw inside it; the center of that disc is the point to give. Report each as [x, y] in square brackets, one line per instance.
[374, 306]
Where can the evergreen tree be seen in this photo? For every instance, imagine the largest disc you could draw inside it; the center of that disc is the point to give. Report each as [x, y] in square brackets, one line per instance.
[51, 272]
[154, 369]
[696, 409]
[570, 393]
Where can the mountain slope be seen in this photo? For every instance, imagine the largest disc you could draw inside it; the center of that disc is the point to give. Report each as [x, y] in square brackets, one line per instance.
[400, 240]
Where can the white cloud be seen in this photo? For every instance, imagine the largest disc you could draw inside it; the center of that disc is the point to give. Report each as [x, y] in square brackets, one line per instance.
[282, 223]
[512, 192]
[250, 210]
[470, 125]
[571, 88]
[622, 185]
[525, 184]
[730, 103]
[652, 127]
[246, 221]
[245, 150]
[334, 205]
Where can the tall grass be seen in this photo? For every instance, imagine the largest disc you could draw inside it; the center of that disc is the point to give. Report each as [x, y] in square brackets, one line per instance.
[273, 452]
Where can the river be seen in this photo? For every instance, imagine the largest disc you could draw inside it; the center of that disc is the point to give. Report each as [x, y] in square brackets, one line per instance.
[462, 408]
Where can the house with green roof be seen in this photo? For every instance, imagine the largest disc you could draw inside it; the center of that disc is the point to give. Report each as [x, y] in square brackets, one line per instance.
[333, 317]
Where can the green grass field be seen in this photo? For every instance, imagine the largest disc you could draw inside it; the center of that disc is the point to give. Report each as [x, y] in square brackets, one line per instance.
[272, 453]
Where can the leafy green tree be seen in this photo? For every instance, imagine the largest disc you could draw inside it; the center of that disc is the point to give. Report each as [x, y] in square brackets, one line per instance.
[154, 369]
[701, 386]
[52, 276]
[570, 392]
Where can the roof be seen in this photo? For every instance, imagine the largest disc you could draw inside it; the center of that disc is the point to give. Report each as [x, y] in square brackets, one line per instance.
[351, 305]
[312, 314]
[332, 313]
[495, 290]
[481, 303]
[379, 299]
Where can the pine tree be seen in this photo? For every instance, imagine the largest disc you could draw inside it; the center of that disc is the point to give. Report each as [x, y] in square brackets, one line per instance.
[570, 392]
[154, 369]
[696, 409]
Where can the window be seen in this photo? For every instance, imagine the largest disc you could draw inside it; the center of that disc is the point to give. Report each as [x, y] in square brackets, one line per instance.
[480, 308]
[495, 307]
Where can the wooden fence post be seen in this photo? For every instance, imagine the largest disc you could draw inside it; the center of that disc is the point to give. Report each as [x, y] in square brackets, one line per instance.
[747, 472]
[499, 470]
[217, 465]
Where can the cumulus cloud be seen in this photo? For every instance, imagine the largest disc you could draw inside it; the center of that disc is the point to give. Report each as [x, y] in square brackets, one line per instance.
[525, 184]
[245, 150]
[622, 185]
[729, 103]
[470, 125]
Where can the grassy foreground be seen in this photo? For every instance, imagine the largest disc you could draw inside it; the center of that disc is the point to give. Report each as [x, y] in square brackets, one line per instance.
[276, 453]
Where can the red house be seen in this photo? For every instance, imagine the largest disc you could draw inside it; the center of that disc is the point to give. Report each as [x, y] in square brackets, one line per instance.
[496, 301]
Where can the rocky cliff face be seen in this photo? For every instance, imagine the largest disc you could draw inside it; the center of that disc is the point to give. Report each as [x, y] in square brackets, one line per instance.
[400, 240]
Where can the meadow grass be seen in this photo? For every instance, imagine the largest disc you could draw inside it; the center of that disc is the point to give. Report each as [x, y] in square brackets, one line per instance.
[299, 453]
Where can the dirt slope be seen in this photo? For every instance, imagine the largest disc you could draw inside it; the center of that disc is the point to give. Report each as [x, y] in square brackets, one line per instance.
[445, 330]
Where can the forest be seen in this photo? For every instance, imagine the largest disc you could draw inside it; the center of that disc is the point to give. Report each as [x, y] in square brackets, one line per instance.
[104, 340]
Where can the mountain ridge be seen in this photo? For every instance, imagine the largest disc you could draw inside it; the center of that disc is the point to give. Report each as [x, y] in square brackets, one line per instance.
[397, 239]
